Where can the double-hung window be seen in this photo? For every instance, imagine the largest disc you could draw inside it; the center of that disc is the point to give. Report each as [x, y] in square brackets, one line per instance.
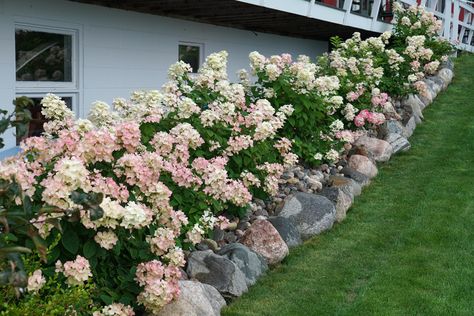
[46, 61]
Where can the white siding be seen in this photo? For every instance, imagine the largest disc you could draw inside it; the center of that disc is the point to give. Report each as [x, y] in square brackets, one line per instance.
[121, 51]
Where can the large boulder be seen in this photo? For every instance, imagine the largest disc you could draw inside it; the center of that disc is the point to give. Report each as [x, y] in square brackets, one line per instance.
[409, 128]
[446, 75]
[413, 105]
[390, 126]
[438, 81]
[427, 97]
[341, 199]
[195, 299]
[398, 142]
[355, 175]
[218, 271]
[287, 230]
[433, 85]
[379, 149]
[363, 165]
[311, 213]
[349, 185]
[265, 240]
[248, 261]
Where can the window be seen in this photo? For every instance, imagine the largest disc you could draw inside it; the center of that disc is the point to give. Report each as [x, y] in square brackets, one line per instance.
[35, 127]
[46, 60]
[191, 53]
[43, 56]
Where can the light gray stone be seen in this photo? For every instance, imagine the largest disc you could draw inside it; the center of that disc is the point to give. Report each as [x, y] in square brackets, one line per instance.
[195, 299]
[348, 185]
[398, 142]
[446, 75]
[390, 126]
[341, 199]
[248, 261]
[433, 85]
[413, 105]
[363, 165]
[287, 230]
[379, 149]
[428, 97]
[409, 128]
[218, 271]
[312, 214]
[355, 175]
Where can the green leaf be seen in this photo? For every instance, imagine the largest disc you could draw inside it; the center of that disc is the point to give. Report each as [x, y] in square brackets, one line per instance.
[106, 299]
[89, 249]
[237, 160]
[70, 241]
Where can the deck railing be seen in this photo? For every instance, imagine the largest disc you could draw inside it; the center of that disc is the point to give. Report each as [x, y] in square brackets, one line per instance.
[376, 15]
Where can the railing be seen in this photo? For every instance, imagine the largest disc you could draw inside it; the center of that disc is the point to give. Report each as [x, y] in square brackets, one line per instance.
[376, 15]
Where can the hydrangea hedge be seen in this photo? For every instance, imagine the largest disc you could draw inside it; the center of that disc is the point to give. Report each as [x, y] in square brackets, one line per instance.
[115, 199]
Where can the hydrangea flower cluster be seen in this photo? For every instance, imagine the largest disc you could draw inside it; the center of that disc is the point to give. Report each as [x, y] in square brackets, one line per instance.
[142, 179]
[148, 162]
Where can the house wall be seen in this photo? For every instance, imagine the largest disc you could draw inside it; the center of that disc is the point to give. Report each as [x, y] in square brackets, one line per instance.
[120, 51]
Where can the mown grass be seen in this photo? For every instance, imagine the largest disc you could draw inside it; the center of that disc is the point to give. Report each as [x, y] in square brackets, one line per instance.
[407, 245]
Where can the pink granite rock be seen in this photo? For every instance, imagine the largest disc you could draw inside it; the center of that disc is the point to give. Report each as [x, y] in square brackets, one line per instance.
[380, 149]
[363, 165]
[264, 239]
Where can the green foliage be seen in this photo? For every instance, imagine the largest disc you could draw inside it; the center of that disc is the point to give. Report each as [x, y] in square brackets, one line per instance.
[401, 250]
[52, 300]
[19, 119]
[309, 119]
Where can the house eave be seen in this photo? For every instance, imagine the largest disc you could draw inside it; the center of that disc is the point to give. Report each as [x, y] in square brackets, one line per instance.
[236, 14]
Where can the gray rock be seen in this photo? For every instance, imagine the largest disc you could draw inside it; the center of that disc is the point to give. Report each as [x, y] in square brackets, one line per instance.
[355, 175]
[409, 128]
[398, 142]
[218, 234]
[428, 97]
[391, 126]
[312, 214]
[434, 85]
[218, 271]
[413, 105]
[446, 75]
[317, 175]
[195, 299]
[341, 199]
[249, 262]
[348, 185]
[448, 64]
[287, 230]
[438, 81]
[434, 90]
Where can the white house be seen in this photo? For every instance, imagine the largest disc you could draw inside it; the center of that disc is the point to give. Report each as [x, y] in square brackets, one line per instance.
[88, 50]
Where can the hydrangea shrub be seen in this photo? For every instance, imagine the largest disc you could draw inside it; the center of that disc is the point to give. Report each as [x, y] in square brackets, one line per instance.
[119, 196]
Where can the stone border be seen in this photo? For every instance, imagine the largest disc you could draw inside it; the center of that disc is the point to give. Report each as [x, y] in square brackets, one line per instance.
[227, 265]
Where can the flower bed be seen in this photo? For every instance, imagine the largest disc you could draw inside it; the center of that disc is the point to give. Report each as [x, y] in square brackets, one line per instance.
[113, 205]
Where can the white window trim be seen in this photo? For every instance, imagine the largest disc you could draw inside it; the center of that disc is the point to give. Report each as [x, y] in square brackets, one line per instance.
[73, 95]
[52, 86]
[201, 52]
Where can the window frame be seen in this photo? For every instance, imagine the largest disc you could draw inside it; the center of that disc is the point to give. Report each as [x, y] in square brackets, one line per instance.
[51, 86]
[201, 52]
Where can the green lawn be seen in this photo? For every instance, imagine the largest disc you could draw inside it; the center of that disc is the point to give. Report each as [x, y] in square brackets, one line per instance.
[407, 245]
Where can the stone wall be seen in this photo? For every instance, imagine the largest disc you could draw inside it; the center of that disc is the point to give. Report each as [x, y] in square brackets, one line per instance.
[309, 202]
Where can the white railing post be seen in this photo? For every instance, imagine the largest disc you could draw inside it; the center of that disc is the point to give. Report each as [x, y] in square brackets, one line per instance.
[447, 20]
[348, 8]
[375, 12]
[310, 7]
[455, 29]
